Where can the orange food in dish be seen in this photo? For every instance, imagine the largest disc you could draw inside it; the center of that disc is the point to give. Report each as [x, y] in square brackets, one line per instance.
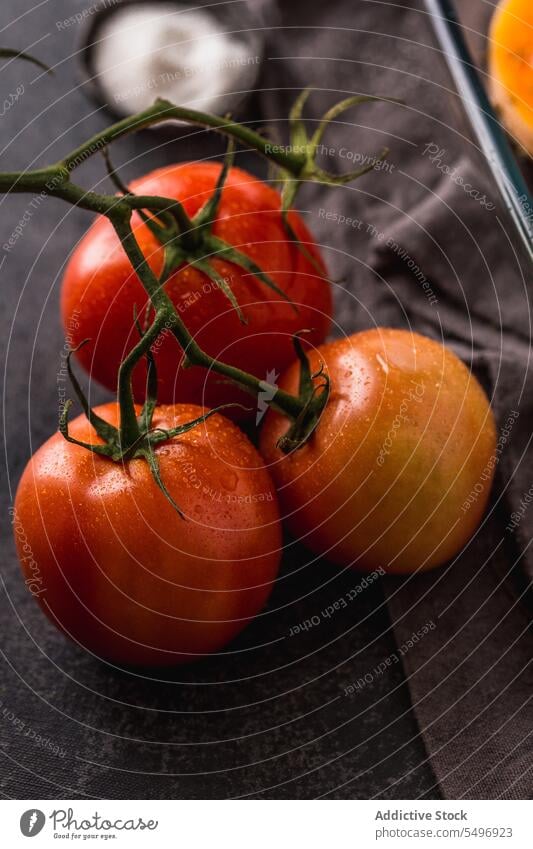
[510, 64]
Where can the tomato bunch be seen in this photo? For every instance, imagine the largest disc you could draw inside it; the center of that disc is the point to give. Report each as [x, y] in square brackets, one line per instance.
[379, 448]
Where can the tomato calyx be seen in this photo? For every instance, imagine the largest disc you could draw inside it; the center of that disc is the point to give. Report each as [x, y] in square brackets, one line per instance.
[314, 397]
[190, 241]
[135, 438]
[309, 146]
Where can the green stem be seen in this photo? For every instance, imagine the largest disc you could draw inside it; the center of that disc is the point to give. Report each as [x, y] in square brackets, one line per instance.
[283, 402]
[163, 110]
[130, 432]
[185, 224]
[121, 220]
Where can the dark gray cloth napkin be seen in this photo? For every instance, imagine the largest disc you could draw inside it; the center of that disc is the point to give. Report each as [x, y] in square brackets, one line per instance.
[423, 242]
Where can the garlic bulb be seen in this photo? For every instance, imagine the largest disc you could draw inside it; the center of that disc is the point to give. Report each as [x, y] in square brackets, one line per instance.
[144, 51]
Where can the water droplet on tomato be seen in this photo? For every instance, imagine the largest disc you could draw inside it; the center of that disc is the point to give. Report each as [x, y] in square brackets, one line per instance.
[228, 480]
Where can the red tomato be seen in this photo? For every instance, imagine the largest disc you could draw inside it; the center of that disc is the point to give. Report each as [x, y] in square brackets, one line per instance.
[116, 568]
[100, 290]
[399, 469]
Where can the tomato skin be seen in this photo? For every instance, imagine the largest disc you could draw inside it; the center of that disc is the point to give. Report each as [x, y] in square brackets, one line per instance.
[121, 573]
[100, 290]
[389, 477]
